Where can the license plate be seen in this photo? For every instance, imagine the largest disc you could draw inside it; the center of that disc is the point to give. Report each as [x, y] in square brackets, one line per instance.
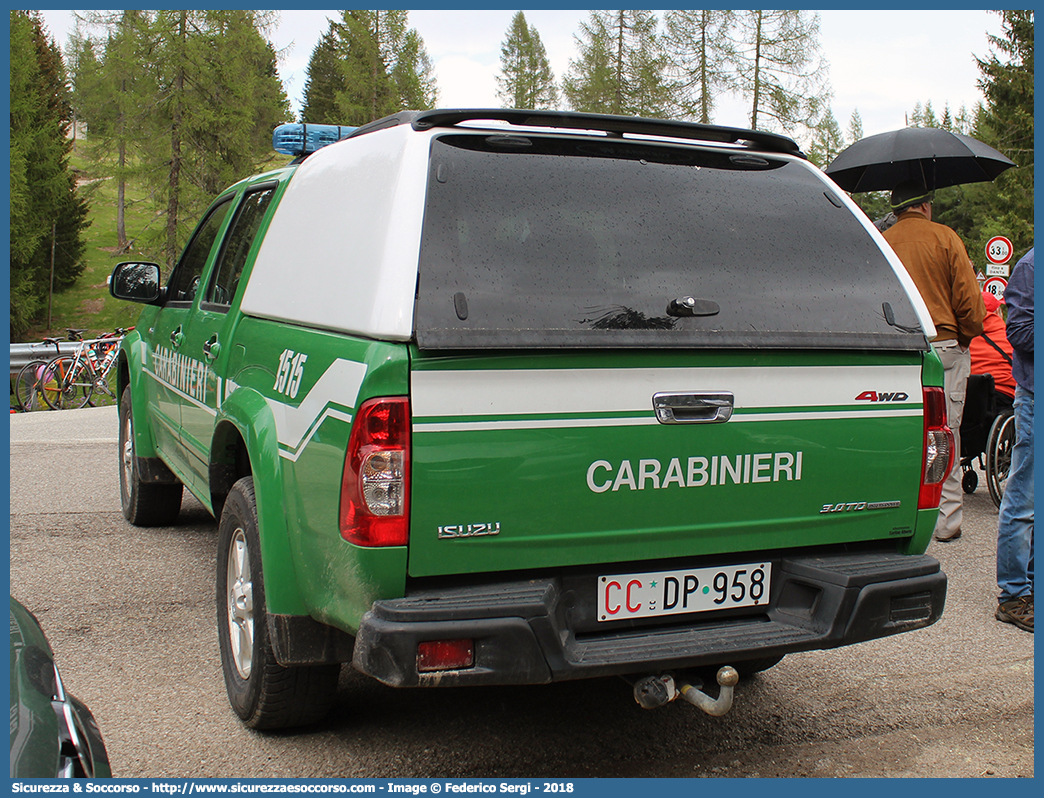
[690, 590]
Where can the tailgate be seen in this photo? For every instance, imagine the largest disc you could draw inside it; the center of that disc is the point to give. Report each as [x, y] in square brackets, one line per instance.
[525, 462]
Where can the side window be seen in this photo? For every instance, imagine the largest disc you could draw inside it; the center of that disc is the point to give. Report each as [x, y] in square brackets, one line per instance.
[185, 280]
[237, 243]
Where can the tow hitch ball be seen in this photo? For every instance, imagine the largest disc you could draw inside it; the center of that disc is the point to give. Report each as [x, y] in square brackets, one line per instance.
[655, 691]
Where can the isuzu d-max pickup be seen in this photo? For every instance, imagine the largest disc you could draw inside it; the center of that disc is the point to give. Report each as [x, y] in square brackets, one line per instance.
[511, 397]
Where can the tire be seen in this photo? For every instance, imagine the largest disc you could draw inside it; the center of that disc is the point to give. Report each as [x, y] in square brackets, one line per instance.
[27, 386]
[105, 388]
[50, 383]
[998, 455]
[263, 693]
[105, 383]
[970, 481]
[143, 504]
[61, 388]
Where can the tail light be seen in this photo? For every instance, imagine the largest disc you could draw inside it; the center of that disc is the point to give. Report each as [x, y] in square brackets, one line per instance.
[375, 486]
[939, 448]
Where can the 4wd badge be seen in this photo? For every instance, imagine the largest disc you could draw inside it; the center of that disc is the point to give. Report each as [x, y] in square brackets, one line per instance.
[874, 396]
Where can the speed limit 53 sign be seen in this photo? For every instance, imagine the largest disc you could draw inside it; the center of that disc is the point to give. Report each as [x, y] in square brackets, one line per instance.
[998, 250]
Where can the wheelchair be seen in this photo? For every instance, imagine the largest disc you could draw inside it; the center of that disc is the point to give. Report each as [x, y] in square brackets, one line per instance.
[987, 436]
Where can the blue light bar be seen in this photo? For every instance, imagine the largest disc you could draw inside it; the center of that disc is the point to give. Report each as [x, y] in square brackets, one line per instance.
[302, 139]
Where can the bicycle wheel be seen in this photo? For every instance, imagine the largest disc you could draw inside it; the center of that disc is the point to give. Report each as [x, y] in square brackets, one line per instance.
[65, 383]
[105, 387]
[998, 455]
[50, 383]
[27, 390]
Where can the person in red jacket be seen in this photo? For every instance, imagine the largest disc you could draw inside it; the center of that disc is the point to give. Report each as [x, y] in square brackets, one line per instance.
[991, 352]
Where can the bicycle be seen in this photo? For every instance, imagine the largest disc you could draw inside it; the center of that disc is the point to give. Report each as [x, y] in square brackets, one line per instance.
[27, 392]
[70, 381]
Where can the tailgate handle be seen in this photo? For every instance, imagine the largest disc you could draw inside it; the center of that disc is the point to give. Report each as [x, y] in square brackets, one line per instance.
[710, 407]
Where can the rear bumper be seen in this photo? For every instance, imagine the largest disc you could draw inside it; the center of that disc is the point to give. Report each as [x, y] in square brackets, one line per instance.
[524, 631]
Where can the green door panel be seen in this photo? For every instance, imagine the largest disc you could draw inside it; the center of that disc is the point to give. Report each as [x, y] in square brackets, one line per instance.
[202, 361]
[133, 350]
[166, 381]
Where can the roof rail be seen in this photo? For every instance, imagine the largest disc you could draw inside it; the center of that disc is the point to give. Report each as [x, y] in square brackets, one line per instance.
[401, 118]
[612, 124]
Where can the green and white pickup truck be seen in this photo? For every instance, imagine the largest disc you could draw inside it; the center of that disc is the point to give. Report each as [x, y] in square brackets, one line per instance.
[511, 397]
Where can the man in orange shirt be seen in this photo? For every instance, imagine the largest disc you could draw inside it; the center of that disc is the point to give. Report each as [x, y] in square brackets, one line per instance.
[938, 263]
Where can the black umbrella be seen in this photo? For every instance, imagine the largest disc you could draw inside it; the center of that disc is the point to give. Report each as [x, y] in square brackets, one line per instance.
[936, 157]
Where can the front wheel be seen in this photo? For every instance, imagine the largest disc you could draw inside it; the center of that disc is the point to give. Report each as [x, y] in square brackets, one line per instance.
[970, 481]
[64, 384]
[143, 503]
[263, 693]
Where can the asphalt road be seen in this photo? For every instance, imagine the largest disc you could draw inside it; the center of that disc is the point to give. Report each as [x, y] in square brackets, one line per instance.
[130, 614]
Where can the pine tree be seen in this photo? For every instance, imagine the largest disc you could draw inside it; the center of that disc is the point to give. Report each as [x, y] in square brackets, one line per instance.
[963, 122]
[592, 82]
[115, 96]
[324, 82]
[369, 64]
[979, 211]
[365, 64]
[47, 216]
[700, 59]
[855, 127]
[620, 68]
[946, 123]
[1008, 87]
[174, 67]
[239, 102]
[218, 99]
[1006, 123]
[780, 69]
[827, 141]
[928, 116]
[525, 79]
[875, 204]
[84, 65]
[414, 75]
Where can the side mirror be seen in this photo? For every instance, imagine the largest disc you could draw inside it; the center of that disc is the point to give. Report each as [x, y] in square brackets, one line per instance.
[136, 282]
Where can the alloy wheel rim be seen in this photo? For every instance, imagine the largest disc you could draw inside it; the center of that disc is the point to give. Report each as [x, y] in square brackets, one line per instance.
[240, 604]
[128, 453]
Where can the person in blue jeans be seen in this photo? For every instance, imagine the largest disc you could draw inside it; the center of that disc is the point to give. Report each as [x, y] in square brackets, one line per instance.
[1015, 529]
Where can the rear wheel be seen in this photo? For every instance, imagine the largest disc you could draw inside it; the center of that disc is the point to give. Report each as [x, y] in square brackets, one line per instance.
[998, 455]
[263, 693]
[143, 503]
